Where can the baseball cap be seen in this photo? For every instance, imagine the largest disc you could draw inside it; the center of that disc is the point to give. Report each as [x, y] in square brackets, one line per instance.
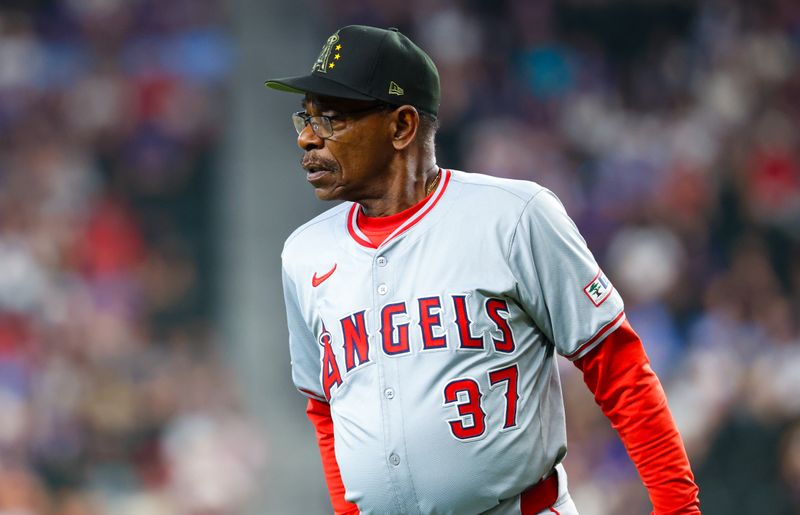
[367, 63]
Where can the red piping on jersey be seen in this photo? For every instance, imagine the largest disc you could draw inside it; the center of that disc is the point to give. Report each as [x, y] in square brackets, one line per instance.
[377, 229]
[611, 325]
[362, 239]
[355, 232]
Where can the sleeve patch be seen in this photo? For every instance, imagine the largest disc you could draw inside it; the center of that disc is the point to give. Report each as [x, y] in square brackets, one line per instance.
[599, 289]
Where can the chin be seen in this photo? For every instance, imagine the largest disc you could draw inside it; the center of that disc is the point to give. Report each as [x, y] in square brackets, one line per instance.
[327, 194]
[321, 194]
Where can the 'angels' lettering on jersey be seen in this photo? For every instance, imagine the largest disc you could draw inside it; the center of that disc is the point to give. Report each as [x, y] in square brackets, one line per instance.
[396, 321]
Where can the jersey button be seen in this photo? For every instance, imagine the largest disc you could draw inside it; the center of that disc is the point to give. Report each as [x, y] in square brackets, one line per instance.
[383, 289]
[381, 261]
[394, 459]
[388, 393]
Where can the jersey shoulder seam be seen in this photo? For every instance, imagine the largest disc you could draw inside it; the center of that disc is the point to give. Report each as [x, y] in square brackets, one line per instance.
[517, 224]
[496, 186]
[513, 239]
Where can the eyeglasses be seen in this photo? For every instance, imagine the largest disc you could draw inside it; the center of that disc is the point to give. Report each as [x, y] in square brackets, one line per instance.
[321, 124]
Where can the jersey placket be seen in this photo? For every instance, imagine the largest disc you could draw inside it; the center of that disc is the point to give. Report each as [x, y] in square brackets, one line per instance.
[389, 384]
[384, 288]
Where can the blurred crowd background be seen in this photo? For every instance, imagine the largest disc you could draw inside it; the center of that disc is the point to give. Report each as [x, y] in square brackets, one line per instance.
[113, 398]
[669, 129]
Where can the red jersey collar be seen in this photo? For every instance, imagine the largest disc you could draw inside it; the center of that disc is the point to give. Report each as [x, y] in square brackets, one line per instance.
[403, 220]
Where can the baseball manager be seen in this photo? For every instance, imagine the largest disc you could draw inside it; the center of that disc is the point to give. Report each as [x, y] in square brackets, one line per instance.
[425, 311]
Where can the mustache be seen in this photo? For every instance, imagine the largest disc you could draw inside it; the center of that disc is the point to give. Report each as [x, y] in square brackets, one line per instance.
[313, 162]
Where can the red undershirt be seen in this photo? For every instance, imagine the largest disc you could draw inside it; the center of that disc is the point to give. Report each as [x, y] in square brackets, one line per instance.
[378, 228]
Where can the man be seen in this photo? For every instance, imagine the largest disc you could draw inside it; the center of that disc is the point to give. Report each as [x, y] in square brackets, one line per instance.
[425, 311]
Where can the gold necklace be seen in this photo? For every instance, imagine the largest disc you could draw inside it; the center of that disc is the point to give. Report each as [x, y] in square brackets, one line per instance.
[433, 184]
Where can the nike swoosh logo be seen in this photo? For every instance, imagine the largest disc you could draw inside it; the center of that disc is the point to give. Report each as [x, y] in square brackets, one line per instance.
[316, 281]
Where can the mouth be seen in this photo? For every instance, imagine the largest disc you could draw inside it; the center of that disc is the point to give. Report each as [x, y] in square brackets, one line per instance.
[315, 171]
[313, 175]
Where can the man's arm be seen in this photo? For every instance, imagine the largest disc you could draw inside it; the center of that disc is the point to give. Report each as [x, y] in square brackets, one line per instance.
[320, 415]
[625, 387]
[304, 351]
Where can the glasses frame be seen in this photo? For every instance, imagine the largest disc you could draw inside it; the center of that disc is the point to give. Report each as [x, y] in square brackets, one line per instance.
[321, 124]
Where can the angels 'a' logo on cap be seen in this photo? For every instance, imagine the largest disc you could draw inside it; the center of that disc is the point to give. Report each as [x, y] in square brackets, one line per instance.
[329, 55]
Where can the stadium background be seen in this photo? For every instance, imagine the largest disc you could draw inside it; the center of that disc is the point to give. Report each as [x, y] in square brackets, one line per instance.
[147, 181]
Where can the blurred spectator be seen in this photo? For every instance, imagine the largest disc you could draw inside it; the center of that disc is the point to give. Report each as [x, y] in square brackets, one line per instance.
[113, 399]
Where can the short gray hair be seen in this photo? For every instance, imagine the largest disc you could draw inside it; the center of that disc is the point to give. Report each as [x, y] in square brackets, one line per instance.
[426, 133]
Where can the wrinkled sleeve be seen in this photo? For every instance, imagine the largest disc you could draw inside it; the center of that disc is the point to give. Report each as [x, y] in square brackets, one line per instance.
[303, 347]
[559, 283]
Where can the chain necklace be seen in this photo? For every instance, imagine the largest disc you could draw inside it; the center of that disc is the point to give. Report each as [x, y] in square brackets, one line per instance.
[433, 184]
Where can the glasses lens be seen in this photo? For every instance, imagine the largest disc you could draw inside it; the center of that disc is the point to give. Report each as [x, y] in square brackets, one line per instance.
[322, 126]
[299, 122]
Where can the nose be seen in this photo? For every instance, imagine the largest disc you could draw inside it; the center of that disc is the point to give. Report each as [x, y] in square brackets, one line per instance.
[308, 139]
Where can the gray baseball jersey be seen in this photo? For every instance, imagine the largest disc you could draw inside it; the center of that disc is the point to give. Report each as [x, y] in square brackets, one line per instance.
[436, 349]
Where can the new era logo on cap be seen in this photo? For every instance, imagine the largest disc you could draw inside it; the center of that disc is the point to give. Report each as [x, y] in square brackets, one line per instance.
[367, 63]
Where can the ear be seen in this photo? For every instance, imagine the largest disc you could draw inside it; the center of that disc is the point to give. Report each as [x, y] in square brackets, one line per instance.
[404, 125]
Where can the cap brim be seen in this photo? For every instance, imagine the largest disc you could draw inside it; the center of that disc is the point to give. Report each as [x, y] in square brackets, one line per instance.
[316, 85]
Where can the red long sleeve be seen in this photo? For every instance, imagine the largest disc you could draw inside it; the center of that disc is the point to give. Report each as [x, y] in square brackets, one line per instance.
[625, 387]
[320, 415]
